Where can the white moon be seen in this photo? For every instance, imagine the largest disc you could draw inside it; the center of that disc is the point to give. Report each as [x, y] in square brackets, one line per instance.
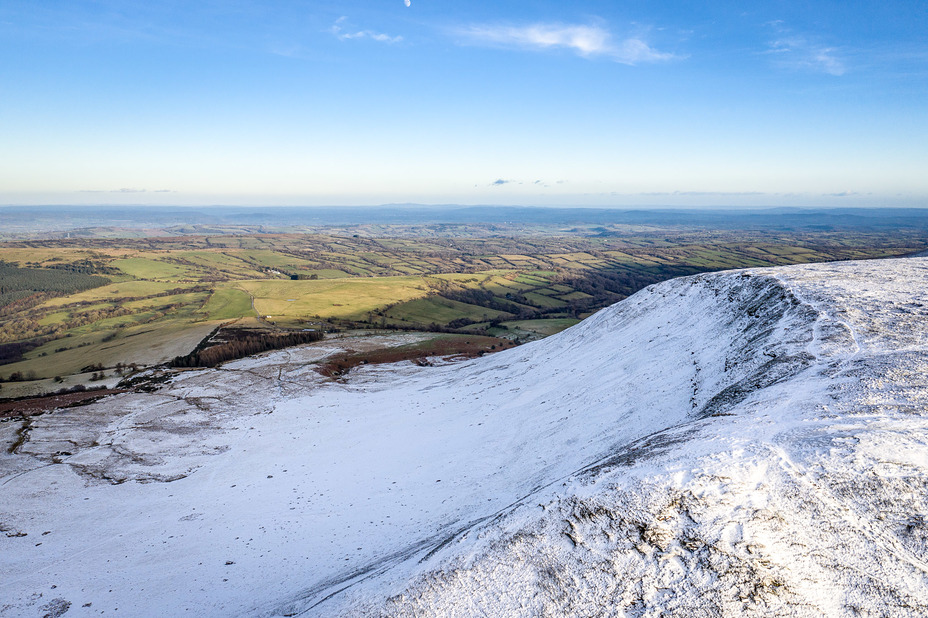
[408, 2]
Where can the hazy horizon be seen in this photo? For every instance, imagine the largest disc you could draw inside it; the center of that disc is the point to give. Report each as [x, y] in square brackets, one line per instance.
[591, 104]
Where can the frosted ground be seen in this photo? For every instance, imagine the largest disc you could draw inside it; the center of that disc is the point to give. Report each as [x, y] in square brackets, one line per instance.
[742, 441]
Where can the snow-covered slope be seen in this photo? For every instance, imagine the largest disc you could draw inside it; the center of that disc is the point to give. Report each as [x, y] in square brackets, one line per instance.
[750, 440]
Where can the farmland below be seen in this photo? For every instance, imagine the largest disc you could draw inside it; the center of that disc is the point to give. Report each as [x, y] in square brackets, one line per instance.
[92, 309]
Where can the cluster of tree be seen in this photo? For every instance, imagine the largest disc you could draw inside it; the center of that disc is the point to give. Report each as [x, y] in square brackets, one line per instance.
[12, 303]
[17, 300]
[86, 267]
[95, 316]
[77, 388]
[243, 346]
[19, 376]
[24, 328]
[461, 323]
[16, 279]
[12, 352]
[122, 368]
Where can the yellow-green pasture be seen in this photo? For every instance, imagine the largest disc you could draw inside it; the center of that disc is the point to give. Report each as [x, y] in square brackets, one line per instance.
[52, 256]
[116, 291]
[228, 304]
[149, 268]
[350, 299]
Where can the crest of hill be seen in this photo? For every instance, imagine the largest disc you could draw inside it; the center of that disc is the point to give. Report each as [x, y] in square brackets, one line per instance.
[719, 443]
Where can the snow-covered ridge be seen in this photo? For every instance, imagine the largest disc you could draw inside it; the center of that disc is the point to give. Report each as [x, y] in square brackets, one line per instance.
[749, 440]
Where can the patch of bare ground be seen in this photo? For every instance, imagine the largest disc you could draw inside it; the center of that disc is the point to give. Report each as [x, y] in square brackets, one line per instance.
[452, 347]
[38, 405]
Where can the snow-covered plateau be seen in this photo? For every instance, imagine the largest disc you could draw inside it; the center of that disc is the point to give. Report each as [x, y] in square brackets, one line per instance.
[749, 441]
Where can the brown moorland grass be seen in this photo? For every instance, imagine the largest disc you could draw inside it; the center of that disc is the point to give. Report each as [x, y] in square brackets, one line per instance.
[450, 347]
[32, 406]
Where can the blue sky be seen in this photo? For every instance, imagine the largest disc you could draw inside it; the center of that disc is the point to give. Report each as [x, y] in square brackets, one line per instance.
[551, 103]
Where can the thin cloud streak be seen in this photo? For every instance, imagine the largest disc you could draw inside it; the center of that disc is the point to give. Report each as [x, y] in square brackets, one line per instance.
[698, 193]
[380, 37]
[795, 51]
[585, 41]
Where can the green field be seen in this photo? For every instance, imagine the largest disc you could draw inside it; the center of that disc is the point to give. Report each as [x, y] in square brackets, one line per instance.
[228, 304]
[349, 299]
[147, 268]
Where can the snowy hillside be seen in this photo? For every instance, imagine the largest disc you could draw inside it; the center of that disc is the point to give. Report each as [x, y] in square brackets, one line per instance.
[742, 441]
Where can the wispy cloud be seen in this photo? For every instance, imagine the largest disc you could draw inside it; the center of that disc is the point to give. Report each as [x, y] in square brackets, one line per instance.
[796, 51]
[339, 31]
[125, 190]
[543, 184]
[701, 193]
[584, 40]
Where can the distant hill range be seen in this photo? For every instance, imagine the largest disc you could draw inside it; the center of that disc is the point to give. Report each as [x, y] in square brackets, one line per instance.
[24, 222]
